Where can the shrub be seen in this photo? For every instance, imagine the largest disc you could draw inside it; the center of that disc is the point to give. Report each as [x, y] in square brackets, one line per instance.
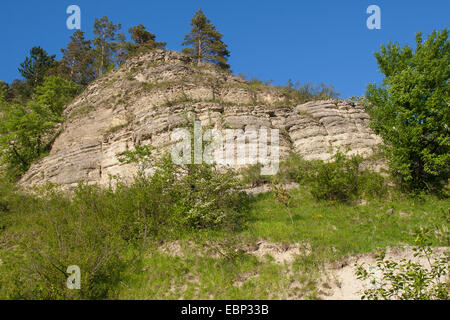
[342, 179]
[188, 196]
[295, 169]
[296, 93]
[251, 176]
[372, 184]
[54, 232]
[409, 280]
[211, 198]
[338, 179]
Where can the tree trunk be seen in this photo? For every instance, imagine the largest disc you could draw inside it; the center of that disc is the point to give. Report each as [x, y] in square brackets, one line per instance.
[100, 71]
[199, 59]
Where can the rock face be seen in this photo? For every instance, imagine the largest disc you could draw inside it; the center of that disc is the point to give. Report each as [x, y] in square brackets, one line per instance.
[148, 97]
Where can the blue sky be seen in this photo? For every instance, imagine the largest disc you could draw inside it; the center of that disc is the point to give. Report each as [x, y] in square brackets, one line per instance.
[318, 41]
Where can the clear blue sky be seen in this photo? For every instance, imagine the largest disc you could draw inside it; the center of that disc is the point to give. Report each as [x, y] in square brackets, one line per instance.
[318, 40]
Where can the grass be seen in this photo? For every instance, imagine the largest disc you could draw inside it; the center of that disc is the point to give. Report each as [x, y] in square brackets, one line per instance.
[114, 129]
[83, 110]
[211, 263]
[197, 277]
[149, 86]
[349, 228]
[333, 230]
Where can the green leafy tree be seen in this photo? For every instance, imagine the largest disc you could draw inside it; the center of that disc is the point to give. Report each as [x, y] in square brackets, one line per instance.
[204, 42]
[56, 92]
[105, 46]
[78, 58]
[35, 67]
[22, 131]
[410, 110]
[28, 130]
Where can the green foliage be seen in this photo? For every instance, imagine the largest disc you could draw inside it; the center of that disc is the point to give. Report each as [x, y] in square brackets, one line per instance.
[251, 176]
[411, 109]
[295, 169]
[211, 199]
[20, 91]
[141, 36]
[78, 58]
[199, 196]
[283, 197]
[343, 179]
[407, 280]
[114, 234]
[35, 67]
[101, 229]
[107, 33]
[144, 38]
[56, 232]
[297, 93]
[4, 90]
[26, 130]
[336, 180]
[56, 93]
[23, 129]
[205, 42]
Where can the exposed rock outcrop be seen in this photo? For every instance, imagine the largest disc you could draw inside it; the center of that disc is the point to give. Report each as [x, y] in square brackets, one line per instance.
[149, 96]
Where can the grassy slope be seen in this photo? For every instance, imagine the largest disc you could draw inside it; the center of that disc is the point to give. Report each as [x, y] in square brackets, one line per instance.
[332, 230]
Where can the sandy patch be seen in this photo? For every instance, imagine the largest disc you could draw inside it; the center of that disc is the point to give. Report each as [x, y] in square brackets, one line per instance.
[280, 252]
[341, 283]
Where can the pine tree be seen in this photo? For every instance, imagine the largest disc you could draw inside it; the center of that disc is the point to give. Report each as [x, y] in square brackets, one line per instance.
[105, 47]
[205, 43]
[35, 67]
[79, 59]
[141, 36]
[120, 49]
[143, 39]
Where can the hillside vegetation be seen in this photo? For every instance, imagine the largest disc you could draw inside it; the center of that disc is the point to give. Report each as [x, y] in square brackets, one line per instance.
[196, 231]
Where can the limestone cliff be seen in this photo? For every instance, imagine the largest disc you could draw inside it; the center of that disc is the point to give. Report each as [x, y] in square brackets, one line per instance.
[151, 95]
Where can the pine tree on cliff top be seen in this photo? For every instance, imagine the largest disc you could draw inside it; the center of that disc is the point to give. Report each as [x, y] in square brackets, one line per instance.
[204, 42]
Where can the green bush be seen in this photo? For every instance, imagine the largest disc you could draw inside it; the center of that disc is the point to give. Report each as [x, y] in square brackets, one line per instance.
[101, 230]
[251, 176]
[342, 179]
[407, 280]
[211, 198]
[54, 232]
[336, 180]
[295, 169]
[188, 196]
